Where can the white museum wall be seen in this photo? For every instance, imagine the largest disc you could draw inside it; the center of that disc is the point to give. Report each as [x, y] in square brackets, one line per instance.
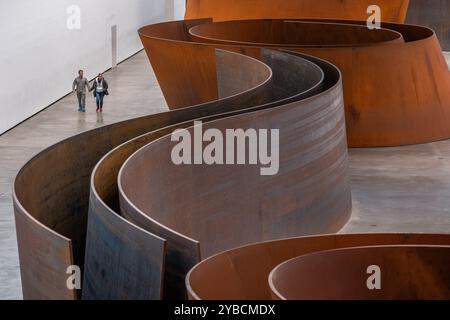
[40, 55]
[179, 9]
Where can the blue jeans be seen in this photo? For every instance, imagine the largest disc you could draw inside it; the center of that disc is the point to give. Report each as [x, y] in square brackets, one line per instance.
[99, 99]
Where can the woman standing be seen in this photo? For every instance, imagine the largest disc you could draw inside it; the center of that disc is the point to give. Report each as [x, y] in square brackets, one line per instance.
[100, 88]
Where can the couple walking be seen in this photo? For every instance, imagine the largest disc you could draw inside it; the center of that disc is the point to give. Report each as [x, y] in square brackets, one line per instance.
[81, 85]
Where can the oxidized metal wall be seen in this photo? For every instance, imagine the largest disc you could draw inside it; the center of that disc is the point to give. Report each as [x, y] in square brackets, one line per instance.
[434, 14]
[171, 48]
[133, 266]
[243, 273]
[397, 91]
[430, 13]
[51, 209]
[253, 80]
[213, 218]
[406, 272]
[44, 258]
[396, 79]
[122, 261]
[225, 10]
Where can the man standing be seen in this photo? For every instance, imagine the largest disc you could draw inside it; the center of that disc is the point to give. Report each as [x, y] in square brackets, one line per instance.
[79, 86]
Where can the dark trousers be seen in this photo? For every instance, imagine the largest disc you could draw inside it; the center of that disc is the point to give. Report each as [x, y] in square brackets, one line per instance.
[81, 101]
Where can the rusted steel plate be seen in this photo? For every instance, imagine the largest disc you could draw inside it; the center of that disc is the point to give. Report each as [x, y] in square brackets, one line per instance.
[242, 273]
[220, 207]
[226, 10]
[182, 253]
[123, 262]
[54, 206]
[169, 57]
[396, 80]
[399, 273]
[44, 259]
[253, 79]
[171, 48]
[51, 209]
[51, 212]
[434, 14]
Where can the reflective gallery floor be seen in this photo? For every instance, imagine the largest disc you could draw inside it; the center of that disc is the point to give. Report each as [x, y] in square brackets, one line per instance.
[404, 189]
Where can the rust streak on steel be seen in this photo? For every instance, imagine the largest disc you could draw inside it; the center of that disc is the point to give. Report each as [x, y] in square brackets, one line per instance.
[226, 10]
[396, 80]
[399, 273]
[242, 273]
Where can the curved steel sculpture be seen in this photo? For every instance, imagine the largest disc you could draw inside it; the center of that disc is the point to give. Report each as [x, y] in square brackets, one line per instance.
[51, 210]
[405, 273]
[123, 260]
[243, 273]
[253, 81]
[138, 246]
[433, 14]
[396, 79]
[212, 198]
[430, 13]
[226, 10]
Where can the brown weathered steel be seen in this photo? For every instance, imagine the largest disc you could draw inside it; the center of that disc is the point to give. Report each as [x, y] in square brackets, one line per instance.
[253, 79]
[396, 80]
[407, 101]
[58, 196]
[396, 93]
[226, 10]
[434, 14]
[123, 262]
[51, 209]
[44, 258]
[171, 48]
[399, 273]
[242, 273]
[430, 13]
[214, 208]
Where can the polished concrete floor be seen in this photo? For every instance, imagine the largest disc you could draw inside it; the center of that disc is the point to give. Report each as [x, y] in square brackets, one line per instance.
[403, 189]
[134, 92]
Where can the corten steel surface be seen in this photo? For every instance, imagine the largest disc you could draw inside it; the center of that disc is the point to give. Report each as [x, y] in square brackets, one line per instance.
[171, 48]
[406, 273]
[254, 79]
[123, 262]
[44, 257]
[226, 10]
[205, 209]
[51, 212]
[396, 80]
[181, 255]
[242, 273]
[51, 208]
[434, 14]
